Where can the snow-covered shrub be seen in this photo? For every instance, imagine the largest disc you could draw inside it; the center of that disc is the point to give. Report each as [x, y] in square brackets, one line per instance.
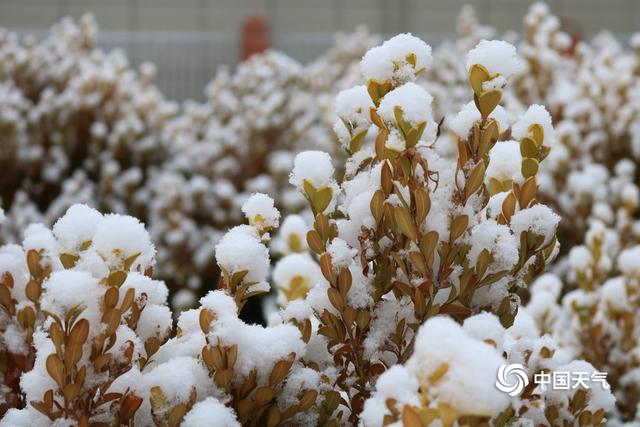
[241, 140]
[591, 89]
[399, 289]
[242, 373]
[599, 320]
[407, 234]
[449, 358]
[79, 125]
[79, 310]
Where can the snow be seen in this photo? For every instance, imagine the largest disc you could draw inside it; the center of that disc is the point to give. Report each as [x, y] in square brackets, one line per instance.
[538, 219]
[341, 253]
[414, 101]
[299, 379]
[614, 293]
[77, 226]
[463, 121]
[154, 321]
[353, 109]
[395, 383]
[549, 283]
[629, 262]
[256, 349]
[600, 397]
[67, 289]
[260, 211]
[205, 412]
[580, 258]
[535, 114]
[32, 383]
[498, 240]
[118, 237]
[524, 326]
[472, 367]
[177, 378]
[292, 236]
[630, 195]
[485, 327]
[388, 62]
[297, 271]
[314, 167]
[352, 105]
[505, 162]
[155, 291]
[497, 56]
[27, 417]
[241, 250]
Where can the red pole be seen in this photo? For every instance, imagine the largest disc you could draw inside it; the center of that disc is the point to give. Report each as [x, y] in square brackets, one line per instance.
[255, 36]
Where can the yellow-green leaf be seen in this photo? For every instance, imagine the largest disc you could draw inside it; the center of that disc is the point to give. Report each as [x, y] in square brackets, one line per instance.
[477, 76]
[488, 101]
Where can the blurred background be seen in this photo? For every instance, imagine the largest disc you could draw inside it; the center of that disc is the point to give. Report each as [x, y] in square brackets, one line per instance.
[189, 39]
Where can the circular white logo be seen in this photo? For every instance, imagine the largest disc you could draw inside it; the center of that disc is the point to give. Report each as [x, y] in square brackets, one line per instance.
[512, 379]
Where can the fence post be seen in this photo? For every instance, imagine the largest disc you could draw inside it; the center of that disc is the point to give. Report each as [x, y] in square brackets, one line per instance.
[255, 36]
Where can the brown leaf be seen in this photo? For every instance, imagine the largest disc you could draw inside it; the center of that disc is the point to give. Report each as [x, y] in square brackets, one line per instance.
[206, 317]
[263, 395]
[129, 296]
[33, 290]
[279, 371]
[475, 180]
[111, 297]
[528, 192]
[488, 101]
[386, 178]
[79, 333]
[273, 416]
[33, 262]
[5, 298]
[537, 132]
[55, 368]
[116, 278]
[68, 259]
[129, 406]
[529, 167]
[232, 356]
[71, 391]
[509, 206]
[478, 74]
[315, 242]
[327, 268]
[458, 227]
[177, 413]
[356, 142]
[344, 281]
[335, 298]
[223, 377]
[308, 399]
[423, 204]
[130, 260]
[405, 223]
[410, 418]
[376, 205]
